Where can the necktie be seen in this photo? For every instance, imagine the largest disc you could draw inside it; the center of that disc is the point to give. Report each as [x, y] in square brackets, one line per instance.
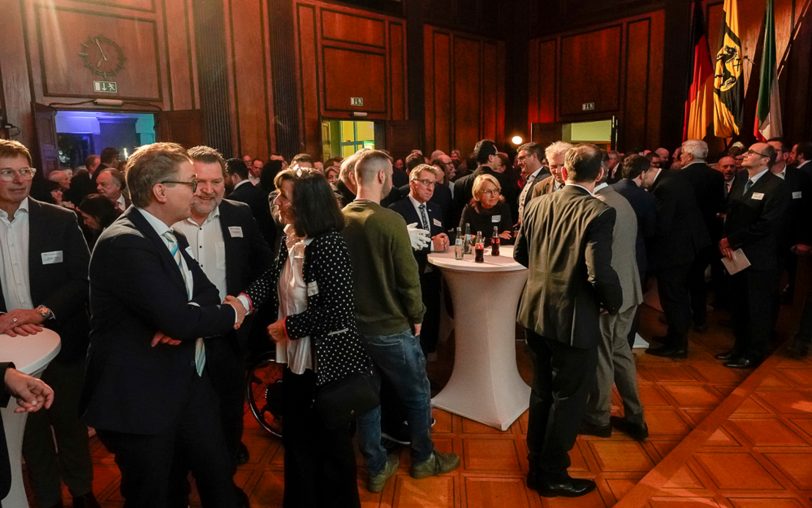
[748, 185]
[424, 218]
[174, 249]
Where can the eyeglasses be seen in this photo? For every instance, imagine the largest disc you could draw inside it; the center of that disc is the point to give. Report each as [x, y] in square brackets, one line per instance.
[427, 183]
[753, 152]
[492, 192]
[191, 183]
[8, 174]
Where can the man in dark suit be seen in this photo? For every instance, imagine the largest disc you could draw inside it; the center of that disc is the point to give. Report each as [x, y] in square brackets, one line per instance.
[246, 192]
[44, 284]
[225, 240]
[146, 391]
[32, 394]
[680, 235]
[755, 211]
[110, 184]
[417, 207]
[529, 158]
[801, 156]
[566, 242]
[709, 190]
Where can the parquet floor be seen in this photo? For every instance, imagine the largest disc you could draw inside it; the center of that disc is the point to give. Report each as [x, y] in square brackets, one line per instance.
[719, 437]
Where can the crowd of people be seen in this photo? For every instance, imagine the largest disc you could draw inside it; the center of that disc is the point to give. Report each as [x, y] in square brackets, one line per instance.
[198, 262]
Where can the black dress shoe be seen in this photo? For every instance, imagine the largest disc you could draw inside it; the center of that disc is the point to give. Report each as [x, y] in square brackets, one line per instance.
[242, 454]
[86, 501]
[725, 356]
[742, 363]
[637, 431]
[668, 351]
[566, 487]
[590, 429]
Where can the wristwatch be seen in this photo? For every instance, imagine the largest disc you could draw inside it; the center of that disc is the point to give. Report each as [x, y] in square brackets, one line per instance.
[45, 312]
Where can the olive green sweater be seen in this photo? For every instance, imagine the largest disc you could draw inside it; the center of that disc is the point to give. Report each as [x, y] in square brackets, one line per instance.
[387, 283]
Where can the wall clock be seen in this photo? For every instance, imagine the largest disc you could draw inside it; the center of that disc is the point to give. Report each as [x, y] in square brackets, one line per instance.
[103, 56]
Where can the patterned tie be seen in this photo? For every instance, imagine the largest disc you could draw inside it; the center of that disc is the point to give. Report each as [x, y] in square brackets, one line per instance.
[424, 218]
[748, 186]
[174, 249]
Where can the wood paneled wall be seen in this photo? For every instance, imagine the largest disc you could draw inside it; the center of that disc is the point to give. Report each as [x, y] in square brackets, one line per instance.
[343, 53]
[617, 66]
[464, 78]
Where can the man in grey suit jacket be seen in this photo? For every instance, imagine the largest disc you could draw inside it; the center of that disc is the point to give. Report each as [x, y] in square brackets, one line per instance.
[615, 360]
[566, 242]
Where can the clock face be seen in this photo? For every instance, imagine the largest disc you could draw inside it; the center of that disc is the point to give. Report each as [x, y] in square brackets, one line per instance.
[103, 56]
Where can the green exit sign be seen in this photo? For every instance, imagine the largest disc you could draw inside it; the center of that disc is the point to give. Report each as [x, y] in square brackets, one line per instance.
[105, 87]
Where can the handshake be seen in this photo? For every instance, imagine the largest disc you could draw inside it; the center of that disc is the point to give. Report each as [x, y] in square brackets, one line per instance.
[239, 310]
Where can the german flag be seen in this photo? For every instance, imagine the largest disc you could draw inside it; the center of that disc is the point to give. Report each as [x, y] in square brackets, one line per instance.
[700, 89]
[728, 79]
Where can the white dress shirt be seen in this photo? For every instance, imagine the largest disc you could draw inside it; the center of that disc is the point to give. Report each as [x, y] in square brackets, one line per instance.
[293, 300]
[14, 258]
[207, 246]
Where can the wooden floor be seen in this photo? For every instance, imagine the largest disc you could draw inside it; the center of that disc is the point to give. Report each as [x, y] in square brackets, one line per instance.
[719, 437]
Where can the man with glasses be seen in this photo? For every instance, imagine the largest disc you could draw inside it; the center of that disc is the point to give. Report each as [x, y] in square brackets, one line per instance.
[756, 210]
[147, 390]
[43, 258]
[534, 172]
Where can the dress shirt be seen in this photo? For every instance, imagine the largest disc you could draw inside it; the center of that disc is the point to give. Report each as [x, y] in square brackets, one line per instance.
[728, 186]
[121, 203]
[207, 246]
[293, 300]
[528, 185]
[14, 258]
[783, 174]
[756, 177]
[599, 187]
[161, 228]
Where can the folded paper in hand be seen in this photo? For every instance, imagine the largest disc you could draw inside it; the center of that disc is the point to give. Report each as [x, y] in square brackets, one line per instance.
[737, 264]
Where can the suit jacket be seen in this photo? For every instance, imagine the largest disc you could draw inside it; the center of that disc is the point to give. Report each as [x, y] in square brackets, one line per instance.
[137, 289]
[442, 198]
[406, 210]
[645, 210]
[543, 175]
[546, 186]
[347, 195]
[681, 232]
[624, 240]
[754, 219]
[256, 198]
[796, 225]
[62, 285]
[709, 189]
[566, 242]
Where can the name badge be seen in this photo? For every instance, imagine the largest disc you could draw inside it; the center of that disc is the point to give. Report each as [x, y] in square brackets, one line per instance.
[53, 257]
[312, 288]
[797, 195]
[437, 223]
[758, 196]
[235, 231]
[496, 219]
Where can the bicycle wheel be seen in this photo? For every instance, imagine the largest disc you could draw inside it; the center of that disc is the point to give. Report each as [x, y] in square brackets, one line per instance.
[263, 391]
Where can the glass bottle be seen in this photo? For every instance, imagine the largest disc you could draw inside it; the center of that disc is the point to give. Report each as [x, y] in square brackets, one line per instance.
[495, 240]
[467, 239]
[459, 244]
[479, 248]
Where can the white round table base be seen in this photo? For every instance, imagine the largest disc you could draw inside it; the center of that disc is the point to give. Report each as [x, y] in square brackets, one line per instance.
[485, 385]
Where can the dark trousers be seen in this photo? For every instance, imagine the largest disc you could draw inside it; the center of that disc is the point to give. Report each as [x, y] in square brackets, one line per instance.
[753, 296]
[672, 286]
[69, 458]
[804, 335]
[319, 462]
[698, 287]
[225, 368]
[562, 378]
[146, 461]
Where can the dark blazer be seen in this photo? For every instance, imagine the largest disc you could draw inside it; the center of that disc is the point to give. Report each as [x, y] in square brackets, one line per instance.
[546, 186]
[754, 219]
[681, 232]
[406, 210]
[709, 189]
[256, 198]
[346, 194]
[796, 225]
[137, 289]
[329, 320]
[566, 242]
[645, 209]
[483, 220]
[61, 285]
[543, 175]
[442, 198]
[5, 466]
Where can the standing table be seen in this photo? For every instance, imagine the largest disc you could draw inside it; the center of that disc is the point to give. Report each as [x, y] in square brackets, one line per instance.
[30, 355]
[485, 384]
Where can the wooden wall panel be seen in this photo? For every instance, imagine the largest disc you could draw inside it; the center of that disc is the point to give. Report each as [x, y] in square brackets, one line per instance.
[141, 5]
[182, 51]
[637, 62]
[354, 74]
[533, 81]
[548, 82]
[345, 27]
[397, 72]
[465, 90]
[587, 55]
[309, 76]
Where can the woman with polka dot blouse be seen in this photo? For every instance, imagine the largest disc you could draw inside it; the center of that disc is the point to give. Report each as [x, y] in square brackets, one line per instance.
[316, 335]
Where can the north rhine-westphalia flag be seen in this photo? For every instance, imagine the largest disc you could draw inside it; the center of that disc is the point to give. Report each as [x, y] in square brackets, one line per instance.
[699, 103]
[728, 79]
[768, 112]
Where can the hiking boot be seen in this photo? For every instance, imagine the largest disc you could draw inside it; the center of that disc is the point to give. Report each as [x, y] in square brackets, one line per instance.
[377, 482]
[437, 463]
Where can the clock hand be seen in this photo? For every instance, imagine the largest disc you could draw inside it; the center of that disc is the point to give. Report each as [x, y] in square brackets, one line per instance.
[104, 57]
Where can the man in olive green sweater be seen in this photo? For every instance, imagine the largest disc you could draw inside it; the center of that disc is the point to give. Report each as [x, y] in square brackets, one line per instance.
[390, 310]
